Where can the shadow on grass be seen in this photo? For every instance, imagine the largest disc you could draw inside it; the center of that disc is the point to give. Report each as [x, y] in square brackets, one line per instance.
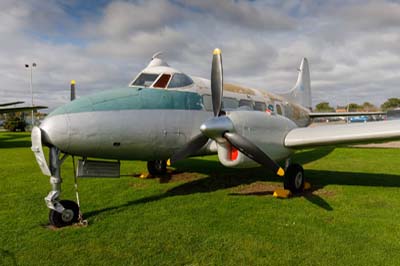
[211, 183]
[218, 177]
[319, 179]
[14, 140]
[311, 195]
[308, 156]
[7, 258]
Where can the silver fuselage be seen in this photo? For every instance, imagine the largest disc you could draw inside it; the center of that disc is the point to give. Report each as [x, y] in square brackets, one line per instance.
[151, 124]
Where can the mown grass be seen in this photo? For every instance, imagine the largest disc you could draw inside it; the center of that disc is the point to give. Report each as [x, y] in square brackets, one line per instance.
[207, 214]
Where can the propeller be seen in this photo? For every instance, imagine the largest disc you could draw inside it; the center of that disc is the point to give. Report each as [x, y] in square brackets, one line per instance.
[253, 152]
[221, 126]
[217, 81]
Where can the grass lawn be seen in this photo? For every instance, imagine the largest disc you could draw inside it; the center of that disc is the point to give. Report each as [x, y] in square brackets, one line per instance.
[206, 214]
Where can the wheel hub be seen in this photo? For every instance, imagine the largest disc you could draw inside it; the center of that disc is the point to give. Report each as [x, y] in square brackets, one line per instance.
[67, 215]
[158, 165]
[298, 180]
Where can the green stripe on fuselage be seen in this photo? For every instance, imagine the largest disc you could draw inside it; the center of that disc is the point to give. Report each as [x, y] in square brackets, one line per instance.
[133, 99]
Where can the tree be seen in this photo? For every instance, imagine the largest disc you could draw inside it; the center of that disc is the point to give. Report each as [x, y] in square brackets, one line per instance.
[324, 107]
[369, 107]
[391, 103]
[15, 122]
[353, 107]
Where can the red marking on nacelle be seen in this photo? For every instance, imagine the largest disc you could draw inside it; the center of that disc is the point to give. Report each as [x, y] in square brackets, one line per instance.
[234, 153]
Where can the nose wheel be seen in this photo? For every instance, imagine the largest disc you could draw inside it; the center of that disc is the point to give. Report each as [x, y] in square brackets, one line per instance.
[294, 178]
[68, 216]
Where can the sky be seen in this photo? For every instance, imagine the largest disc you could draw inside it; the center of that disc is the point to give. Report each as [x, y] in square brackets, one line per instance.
[353, 46]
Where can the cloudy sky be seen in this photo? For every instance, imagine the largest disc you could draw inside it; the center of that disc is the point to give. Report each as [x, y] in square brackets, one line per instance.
[353, 46]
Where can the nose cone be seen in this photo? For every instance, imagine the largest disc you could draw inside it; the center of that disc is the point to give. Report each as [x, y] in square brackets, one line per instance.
[55, 131]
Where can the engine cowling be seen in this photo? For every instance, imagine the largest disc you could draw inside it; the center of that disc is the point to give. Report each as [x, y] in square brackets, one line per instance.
[265, 130]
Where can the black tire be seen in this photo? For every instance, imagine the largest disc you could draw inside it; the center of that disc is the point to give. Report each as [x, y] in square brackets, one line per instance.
[158, 167]
[68, 217]
[294, 178]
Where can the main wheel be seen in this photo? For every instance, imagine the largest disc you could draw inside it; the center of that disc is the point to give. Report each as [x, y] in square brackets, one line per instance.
[67, 217]
[158, 167]
[294, 178]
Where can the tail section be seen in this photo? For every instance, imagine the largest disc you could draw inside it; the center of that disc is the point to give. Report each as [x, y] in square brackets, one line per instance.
[301, 92]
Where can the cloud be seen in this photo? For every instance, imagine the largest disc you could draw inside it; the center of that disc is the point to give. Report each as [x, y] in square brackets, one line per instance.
[352, 46]
[241, 13]
[373, 15]
[122, 19]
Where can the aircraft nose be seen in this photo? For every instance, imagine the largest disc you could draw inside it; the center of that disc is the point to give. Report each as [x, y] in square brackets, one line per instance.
[55, 130]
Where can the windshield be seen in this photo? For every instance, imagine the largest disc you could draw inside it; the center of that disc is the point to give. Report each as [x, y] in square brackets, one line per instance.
[180, 80]
[145, 80]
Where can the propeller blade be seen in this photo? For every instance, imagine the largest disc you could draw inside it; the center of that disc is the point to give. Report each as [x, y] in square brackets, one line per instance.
[253, 152]
[190, 148]
[217, 81]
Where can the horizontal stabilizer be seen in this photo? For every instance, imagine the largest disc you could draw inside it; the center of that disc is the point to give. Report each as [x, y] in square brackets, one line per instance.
[343, 134]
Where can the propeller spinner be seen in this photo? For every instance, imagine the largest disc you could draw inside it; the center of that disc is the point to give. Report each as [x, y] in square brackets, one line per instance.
[221, 126]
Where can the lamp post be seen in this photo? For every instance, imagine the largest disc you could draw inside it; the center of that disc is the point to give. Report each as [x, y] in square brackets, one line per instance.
[31, 86]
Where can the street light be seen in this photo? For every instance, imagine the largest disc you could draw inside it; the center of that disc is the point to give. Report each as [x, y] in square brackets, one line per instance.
[31, 86]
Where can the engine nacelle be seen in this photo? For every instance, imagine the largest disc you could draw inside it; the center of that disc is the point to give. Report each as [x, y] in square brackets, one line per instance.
[265, 130]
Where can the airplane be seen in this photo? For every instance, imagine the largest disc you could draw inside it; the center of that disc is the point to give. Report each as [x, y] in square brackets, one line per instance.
[18, 109]
[165, 116]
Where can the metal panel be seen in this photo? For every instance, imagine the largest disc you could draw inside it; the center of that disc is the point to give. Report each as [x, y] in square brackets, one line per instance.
[91, 168]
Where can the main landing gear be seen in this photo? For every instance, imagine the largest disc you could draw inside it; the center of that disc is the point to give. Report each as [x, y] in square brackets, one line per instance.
[294, 178]
[158, 167]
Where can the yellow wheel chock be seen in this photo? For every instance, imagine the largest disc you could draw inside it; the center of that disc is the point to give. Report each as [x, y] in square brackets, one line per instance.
[145, 176]
[282, 193]
[307, 186]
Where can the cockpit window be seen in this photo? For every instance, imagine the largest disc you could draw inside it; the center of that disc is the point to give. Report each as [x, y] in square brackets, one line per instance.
[162, 81]
[145, 79]
[180, 80]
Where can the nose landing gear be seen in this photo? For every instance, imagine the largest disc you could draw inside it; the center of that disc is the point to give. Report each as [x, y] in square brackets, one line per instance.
[68, 216]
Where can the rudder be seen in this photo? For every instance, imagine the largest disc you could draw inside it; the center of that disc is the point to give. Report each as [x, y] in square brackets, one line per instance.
[301, 92]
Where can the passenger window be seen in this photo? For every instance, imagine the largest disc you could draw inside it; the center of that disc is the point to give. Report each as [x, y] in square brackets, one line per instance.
[279, 109]
[145, 80]
[162, 81]
[260, 106]
[180, 80]
[229, 103]
[207, 102]
[247, 103]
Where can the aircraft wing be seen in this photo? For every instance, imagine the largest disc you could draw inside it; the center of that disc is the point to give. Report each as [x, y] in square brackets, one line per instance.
[343, 134]
[316, 115]
[20, 109]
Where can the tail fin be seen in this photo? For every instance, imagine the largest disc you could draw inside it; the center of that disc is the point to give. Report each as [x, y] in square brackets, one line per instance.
[301, 92]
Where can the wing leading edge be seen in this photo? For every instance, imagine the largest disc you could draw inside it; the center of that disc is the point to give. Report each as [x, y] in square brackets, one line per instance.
[343, 134]
[316, 115]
